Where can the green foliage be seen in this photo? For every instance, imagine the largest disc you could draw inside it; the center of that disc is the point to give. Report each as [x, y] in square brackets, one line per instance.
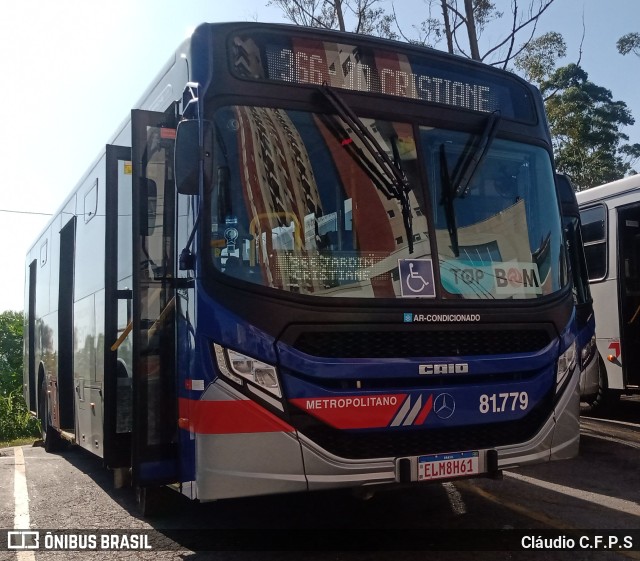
[11, 327]
[15, 419]
[538, 58]
[585, 125]
[485, 11]
[585, 121]
[629, 43]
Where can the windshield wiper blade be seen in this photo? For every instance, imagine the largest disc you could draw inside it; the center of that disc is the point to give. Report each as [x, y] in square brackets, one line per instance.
[394, 182]
[459, 186]
[406, 188]
[448, 196]
[468, 169]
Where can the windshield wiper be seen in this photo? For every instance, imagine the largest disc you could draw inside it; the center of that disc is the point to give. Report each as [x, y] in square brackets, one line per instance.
[448, 195]
[387, 174]
[468, 168]
[458, 187]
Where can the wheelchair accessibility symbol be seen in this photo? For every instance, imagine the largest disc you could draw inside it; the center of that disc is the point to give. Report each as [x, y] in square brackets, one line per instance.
[416, 278]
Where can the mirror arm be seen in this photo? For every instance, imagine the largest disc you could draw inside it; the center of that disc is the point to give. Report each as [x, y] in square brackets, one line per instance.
[187, 261]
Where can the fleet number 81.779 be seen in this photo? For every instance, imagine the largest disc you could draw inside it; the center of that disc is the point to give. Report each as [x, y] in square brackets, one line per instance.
[501, 402]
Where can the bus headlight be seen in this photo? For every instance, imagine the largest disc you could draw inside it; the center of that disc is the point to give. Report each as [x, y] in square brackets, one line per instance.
[240, 368]
[566, 365]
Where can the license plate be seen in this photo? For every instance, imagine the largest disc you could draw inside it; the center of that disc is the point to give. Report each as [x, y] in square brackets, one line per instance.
[448, 466]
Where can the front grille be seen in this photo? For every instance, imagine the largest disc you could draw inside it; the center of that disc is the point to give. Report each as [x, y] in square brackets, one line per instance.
[412, 341]
[418, 441]
[403, 343]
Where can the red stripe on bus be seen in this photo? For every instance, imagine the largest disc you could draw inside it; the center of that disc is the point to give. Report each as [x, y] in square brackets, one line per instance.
[353, 411]
[229, 417]
[424, 413]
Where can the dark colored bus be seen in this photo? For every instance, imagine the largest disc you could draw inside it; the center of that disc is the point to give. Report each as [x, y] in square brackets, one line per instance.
[310, 260]
[589, 361]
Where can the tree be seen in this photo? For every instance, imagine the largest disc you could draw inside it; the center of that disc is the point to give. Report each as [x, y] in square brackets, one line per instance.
[585, 124]
[585, 121]
[537, 61]
[460, 22]
[15, 420]
[11, 327]
[629, 43]
[365, 16]
[464, 26]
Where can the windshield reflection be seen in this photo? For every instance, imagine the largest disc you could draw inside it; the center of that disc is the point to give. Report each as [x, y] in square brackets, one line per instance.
[301, 209]
[508, 241]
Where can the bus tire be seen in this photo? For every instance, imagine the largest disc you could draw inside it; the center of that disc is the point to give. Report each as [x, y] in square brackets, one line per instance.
[604, 399]
[52, 441]
[148, 500]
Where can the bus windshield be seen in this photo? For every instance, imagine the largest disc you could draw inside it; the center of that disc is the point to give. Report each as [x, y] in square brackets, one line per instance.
[305, 206]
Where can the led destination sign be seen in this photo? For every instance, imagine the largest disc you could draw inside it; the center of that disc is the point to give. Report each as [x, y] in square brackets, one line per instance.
[302, 68]
[425, 77]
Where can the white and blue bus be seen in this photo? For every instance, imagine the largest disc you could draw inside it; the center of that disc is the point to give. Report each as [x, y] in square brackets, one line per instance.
[310, 260]
[610, 217]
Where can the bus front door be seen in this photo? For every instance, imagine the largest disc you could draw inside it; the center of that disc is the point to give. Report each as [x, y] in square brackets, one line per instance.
[154, 436]
[629, 290]
[118, 364]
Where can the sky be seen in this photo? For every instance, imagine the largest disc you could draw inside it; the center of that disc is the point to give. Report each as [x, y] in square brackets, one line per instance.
[74, 68]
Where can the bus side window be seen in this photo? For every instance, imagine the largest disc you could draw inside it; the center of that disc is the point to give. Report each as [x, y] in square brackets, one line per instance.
[595, 241]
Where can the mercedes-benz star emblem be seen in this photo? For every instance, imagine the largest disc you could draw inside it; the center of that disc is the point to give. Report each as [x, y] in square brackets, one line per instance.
[444, 406]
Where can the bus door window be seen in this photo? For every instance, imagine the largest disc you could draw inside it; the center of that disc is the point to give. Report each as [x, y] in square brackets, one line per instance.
[157, 248]
[154, 435]
[629, 244]
[629, 275]
[123, 347]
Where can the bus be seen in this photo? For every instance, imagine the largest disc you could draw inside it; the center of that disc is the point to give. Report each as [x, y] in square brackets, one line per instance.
[588, 360]
[610, 217]
[309, 260]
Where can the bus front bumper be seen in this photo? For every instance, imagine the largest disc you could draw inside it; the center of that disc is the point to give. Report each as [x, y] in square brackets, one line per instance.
[260, 463]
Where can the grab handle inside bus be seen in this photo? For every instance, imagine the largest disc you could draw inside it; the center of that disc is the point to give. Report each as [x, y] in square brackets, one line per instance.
[148, 202]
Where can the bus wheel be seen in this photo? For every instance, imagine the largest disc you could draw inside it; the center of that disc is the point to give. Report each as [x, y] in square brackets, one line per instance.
[50, 436]
[149, 501]
[604, 399]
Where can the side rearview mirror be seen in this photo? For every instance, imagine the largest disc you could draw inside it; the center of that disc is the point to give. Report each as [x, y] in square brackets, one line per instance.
[189, 154]
[567, 194]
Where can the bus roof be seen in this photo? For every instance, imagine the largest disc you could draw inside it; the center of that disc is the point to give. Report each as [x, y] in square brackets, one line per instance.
[609, 190]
